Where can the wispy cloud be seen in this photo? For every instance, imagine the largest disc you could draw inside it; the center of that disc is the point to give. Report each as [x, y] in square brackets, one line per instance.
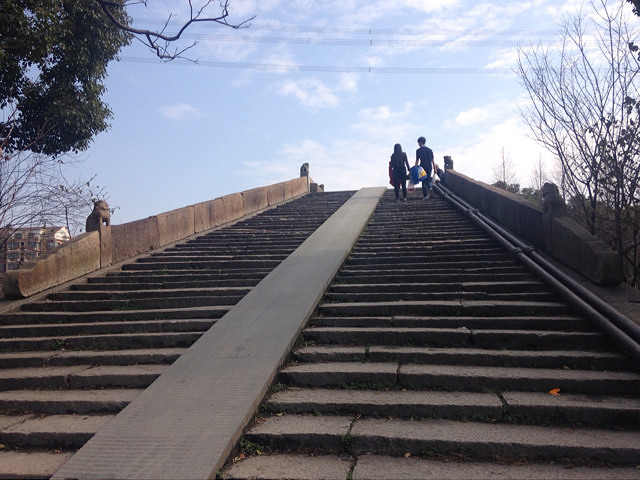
[180, 111]
[309, 92]
[472, 116]
[315, 94]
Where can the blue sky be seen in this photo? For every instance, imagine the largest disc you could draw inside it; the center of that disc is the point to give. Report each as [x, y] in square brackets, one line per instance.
[335, 83]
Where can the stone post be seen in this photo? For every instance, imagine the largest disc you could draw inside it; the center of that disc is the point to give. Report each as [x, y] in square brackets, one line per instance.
[100, 220]
[304, 172]
[448, 162]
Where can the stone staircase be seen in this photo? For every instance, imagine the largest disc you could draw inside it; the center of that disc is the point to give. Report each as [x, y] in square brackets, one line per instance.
[71, 362]
[435, 355]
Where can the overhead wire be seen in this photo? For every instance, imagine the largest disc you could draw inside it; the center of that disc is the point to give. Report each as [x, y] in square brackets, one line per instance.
[405, 38]
[275, 67]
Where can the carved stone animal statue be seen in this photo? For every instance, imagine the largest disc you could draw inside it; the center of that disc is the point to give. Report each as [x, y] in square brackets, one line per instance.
[552, 202]
[100, 216]
[304, 169]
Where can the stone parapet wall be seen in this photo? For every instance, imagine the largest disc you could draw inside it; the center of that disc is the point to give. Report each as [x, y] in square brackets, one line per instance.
[82, 255]
[559, 236]
[135, 238]
[66, 262]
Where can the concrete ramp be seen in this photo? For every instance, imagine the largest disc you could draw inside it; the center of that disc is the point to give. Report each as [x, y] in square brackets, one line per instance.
[186, 423]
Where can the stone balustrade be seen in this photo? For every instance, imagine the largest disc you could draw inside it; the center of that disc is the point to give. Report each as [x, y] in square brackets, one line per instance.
[555, 234]
[111, 244]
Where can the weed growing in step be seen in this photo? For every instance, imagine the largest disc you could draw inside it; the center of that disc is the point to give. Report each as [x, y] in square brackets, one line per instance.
[346, 440]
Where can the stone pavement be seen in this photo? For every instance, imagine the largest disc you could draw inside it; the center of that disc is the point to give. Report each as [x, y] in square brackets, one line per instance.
[434, 346]
[186, 423]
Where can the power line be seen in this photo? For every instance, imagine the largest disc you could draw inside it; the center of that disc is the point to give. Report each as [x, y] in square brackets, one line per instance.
[411, 32]
[274, 67]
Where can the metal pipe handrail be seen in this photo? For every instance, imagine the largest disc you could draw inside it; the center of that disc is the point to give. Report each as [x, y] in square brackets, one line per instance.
[616, 325]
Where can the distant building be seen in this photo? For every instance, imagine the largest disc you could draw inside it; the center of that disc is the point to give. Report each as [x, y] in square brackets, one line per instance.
[27, 243]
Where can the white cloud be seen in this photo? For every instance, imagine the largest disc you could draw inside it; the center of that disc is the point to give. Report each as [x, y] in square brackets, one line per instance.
[313, 93]
[429, 6]
[309, 92]
[472, 116]
[180, 111]
[479, 155]
[352, 162]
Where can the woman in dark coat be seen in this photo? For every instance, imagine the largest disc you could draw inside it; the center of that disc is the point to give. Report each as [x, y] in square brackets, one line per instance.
[400, 166]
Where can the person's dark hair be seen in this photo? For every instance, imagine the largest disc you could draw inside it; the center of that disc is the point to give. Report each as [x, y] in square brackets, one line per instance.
[422, 140]
[397, 149]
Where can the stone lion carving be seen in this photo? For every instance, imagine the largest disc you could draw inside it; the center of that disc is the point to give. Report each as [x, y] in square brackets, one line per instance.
[552, 202]
[99, 216]
[304, 169]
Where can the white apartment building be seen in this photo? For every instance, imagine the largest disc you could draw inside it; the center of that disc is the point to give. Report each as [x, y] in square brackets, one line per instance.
[27, 243]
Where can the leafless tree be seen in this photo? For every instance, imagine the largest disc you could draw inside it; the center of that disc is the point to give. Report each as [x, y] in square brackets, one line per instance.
[504, 174]
[161, 41]
[35, 191]
[539, 175]
[584, 109]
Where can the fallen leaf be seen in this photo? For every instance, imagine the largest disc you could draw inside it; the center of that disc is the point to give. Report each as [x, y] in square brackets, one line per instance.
[407, 455]
[555, 391]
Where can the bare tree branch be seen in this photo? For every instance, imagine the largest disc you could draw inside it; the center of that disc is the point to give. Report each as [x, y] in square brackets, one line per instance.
[159, 41]
[584, 107]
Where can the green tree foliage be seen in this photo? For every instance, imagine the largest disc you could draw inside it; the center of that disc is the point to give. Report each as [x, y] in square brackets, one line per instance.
[513, 188]
[53, 60]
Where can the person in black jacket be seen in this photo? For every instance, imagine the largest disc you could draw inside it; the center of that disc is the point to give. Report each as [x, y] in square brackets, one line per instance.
[424, 157]
[400, 165]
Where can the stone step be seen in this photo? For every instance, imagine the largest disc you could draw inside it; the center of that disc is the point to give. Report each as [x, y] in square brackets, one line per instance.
[157, 284]
[445, 308]
[481, 338]
[428, 264]
[200, 312]
[141, 276]
[459, 377]
[429, 438]
[247, 239]
[408, 274]
[188, 258]
[167, 302]
[342, 466]
[508, 407]
[520, 287]
[91, 350]
[195, 264]
[50, 432]
[213, 251]
[412, 277]
[466, 356]
[80, 377]
[478, 295]
[427, 377]
[149, 294]
[31, 465]
[420, 258]
[101, 341]
[558, 323]
[14, 360]
[101, 328]
[67, 401]
[401, 246]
